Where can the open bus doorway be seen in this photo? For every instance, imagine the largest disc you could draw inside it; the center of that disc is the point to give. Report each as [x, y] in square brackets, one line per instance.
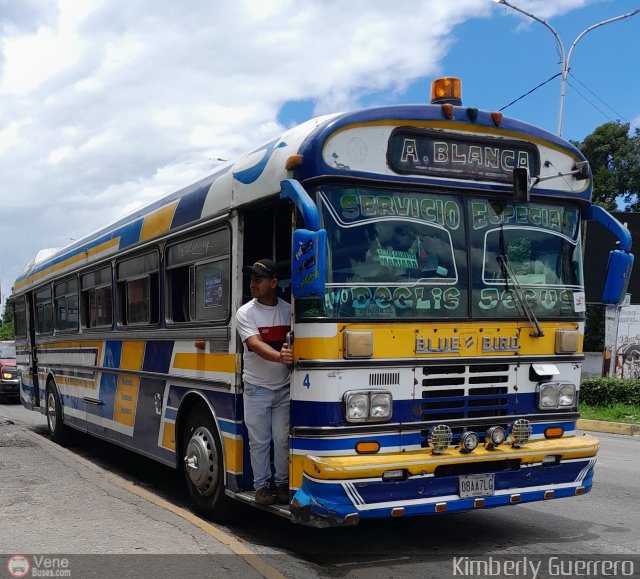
[267, 234]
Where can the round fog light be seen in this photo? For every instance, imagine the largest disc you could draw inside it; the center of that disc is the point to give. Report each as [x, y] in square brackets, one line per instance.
[495, 436]
[469, 440]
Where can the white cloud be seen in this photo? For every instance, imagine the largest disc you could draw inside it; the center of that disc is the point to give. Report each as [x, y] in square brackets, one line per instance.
[109, 104]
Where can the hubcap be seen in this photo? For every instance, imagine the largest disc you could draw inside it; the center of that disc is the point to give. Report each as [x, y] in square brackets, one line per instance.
[201, 461]
[51, 411]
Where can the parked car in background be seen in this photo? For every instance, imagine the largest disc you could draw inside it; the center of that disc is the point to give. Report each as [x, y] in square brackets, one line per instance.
[9, 387]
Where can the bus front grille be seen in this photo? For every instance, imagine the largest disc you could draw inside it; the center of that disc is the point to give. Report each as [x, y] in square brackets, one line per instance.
[451, 392]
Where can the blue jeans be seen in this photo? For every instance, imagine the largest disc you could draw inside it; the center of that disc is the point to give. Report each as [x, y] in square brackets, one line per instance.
[266, 414]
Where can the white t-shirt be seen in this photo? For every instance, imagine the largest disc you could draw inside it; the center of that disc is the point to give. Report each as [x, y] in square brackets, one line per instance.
[271, 323]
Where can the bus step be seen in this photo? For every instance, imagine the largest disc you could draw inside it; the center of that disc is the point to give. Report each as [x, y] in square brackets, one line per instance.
[249, 497]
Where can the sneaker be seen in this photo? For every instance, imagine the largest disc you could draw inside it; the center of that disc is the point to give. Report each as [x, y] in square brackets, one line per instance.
[264, 497]
[282, 494]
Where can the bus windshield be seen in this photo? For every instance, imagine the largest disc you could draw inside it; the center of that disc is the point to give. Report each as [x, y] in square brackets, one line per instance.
[529, 249]
[397, 254]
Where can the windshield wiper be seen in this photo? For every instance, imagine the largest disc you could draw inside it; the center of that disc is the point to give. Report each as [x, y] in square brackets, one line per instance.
[510, 276]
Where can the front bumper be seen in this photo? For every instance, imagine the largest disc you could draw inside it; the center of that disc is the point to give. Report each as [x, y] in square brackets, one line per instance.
[343, 490]
[9, 387]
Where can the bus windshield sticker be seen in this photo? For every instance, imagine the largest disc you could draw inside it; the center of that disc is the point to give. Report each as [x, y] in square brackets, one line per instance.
[392, 258]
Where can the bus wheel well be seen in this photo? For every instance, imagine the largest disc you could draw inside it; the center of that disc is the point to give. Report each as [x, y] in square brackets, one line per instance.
[186, 406]
[51, 380]
[200, 458]
[54, 412]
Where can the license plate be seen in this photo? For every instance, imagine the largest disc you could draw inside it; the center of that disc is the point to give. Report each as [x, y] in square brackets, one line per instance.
[477, 485]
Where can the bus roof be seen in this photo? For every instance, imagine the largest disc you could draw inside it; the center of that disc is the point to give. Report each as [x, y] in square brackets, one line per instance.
[333, 146]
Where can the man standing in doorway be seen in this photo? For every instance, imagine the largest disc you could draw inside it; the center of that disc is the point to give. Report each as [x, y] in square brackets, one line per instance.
[263, 324]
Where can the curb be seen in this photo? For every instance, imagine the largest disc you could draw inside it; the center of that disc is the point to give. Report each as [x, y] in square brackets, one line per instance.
[609, 427]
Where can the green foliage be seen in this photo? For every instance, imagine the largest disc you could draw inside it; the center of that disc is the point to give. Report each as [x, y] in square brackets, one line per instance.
[614, 156]
[6, 327]
[629, 413]
[607, 391]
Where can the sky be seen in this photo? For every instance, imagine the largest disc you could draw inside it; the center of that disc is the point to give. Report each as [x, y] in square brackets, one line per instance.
[107, 105]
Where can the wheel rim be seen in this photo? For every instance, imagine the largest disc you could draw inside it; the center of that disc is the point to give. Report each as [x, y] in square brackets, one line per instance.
[51, 411]
[201, 461]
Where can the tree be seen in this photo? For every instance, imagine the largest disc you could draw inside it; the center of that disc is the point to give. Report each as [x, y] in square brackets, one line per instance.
[614, 156]
[6, 327]
[613, 153]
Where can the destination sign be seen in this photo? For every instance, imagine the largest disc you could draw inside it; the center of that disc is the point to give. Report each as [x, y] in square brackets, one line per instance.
[431, 153]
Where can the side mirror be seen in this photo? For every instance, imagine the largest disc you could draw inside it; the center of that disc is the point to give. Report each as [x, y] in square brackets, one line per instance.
[618, 274]
[521, 184]
[308, 263]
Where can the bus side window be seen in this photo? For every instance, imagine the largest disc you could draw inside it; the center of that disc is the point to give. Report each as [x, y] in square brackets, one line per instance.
[139, 290]
[20, 318]
[66, 305]
[178, 287]
[96, 298]
[44, 311]
[212, 290]
[198, 280]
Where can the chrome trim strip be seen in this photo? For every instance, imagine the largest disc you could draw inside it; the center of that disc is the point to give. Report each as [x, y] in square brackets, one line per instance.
[406, 427]
[171, 333]
[404, 362]
[219, 384]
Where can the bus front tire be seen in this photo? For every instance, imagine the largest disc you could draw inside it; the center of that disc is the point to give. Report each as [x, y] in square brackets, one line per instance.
[203, 469]
[55, 425]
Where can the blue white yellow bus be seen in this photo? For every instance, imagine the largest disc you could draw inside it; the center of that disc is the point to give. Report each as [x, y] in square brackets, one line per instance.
[433, 257]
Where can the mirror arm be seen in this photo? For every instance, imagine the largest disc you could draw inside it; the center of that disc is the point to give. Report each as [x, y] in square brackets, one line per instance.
[292, 190]
[605, 218]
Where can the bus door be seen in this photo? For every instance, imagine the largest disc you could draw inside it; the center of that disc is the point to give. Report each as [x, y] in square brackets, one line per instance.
[32, 348]
[267, 234]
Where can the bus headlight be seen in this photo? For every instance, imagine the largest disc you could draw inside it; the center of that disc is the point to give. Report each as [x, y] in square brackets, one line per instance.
[556, 395]
[380, 405]
[567, 395]
[367, 406]
[357, 407]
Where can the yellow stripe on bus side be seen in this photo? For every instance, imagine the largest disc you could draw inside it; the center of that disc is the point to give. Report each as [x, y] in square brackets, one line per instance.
[158, 222]
[110, 244]
[233, 454]
[128, 385]
[169, 436]
[203, 362]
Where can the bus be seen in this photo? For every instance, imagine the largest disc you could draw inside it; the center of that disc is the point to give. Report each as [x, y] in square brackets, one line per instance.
[433, 259]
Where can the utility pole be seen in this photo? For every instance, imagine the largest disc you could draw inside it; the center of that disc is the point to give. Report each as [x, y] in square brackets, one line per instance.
[565, 61]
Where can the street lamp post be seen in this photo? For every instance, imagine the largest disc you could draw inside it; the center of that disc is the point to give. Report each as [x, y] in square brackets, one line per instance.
[565, 62]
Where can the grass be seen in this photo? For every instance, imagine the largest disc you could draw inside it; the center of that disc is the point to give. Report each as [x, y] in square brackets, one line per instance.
[617, 412]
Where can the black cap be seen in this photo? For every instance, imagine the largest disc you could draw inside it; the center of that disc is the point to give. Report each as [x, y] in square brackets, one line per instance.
[262, 268]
